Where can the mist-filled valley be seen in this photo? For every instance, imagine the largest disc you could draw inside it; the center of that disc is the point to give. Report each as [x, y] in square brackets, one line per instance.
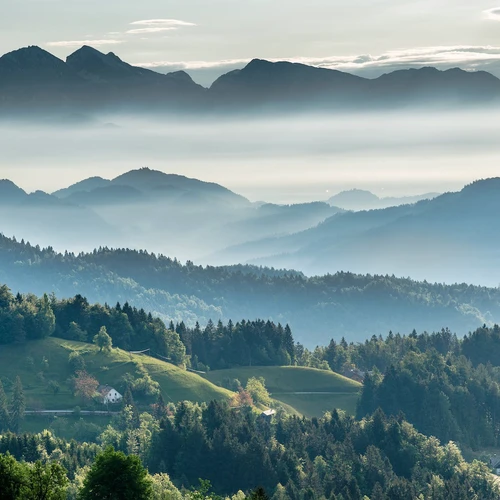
[229, 192]
[264, 190]
[299, 157]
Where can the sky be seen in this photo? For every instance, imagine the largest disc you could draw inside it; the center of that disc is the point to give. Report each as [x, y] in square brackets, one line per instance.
[208, 38]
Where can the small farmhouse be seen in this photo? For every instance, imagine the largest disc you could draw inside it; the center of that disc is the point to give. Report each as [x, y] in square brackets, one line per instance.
[109, 394]
[268, 415]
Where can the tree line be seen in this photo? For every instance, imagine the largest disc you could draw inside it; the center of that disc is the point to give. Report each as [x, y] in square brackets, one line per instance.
[246, 457]
[216, 346]
[317, 308]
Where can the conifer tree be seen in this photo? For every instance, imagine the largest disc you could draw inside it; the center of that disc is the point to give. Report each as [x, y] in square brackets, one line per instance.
[18, 406]
[4, 410]
[160, 408]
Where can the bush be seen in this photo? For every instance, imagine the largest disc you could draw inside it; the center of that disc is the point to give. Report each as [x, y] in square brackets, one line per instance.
[76, 362]
[54, 386]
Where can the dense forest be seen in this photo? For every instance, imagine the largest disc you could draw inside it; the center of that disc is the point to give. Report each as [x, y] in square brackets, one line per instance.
[245, 343]
[317, 308]
[446, 386]
[291, 458]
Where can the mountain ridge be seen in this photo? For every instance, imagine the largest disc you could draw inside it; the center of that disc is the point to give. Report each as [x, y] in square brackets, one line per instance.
[92, 80]
[360, 199]
[151, 181]
[448, 238]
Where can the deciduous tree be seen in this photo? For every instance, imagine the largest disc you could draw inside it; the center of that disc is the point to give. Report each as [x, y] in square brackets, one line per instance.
[115, 476]
[85, 385]
[103, 340]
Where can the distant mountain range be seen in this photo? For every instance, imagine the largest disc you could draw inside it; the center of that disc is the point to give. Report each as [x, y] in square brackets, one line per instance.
[32, 79]
[145, 208]
[317, 308]
[451, 238]
[359, 199]
[146, 185]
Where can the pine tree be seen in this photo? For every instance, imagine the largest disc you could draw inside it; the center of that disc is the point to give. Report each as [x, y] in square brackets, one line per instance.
[258, 494]
[378, 493]
[289, 343]
[18, 405]
[160, 408]
[128, 399]
[4, 410]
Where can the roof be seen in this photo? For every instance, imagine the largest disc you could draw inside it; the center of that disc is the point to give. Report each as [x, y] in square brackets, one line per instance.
[104, 389]
[268, 413]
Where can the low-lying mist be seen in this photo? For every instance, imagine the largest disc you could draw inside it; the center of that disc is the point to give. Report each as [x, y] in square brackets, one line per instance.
[285, 159]
[279, 159]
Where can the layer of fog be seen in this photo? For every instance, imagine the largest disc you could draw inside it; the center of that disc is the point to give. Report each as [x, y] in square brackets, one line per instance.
[282, 160]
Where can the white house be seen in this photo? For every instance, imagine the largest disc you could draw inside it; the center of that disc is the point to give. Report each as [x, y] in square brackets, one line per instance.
[109, 394]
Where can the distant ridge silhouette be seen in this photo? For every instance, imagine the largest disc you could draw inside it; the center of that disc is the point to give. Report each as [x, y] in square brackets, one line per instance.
[90, 80]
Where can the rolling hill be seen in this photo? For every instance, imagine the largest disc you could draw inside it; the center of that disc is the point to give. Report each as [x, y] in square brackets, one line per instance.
[306, 391]
[25, 360]
[309, 391]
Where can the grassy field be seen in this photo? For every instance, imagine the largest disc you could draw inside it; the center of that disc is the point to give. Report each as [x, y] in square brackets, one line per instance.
[85, 428]
[26, 360]
[309, 391]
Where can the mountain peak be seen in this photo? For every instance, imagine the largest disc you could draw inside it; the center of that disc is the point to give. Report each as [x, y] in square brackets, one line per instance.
[180, 76]
[258, 63]
[85, 53]
[30, 58]
[94, 65]
[10, 191]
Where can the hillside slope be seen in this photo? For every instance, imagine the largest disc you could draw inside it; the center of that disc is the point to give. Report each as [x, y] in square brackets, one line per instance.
[26, 361]
[451, 238]
[309, 391]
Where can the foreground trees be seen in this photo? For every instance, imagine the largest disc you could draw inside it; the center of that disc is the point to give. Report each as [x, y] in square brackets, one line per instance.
[31, 481]
[335, 457]
[115, 476]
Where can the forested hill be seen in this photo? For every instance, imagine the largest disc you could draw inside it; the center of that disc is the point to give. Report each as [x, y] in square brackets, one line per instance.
[317, 308]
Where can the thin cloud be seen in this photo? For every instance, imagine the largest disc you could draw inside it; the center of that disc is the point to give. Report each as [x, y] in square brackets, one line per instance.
[141, 31]
[157, 26]
[420, 56]
[79, 43]
[194, 64]
[162, 23]
[493, 13]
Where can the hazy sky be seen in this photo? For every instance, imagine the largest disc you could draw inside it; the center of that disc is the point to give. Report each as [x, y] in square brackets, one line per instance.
[209, 37]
